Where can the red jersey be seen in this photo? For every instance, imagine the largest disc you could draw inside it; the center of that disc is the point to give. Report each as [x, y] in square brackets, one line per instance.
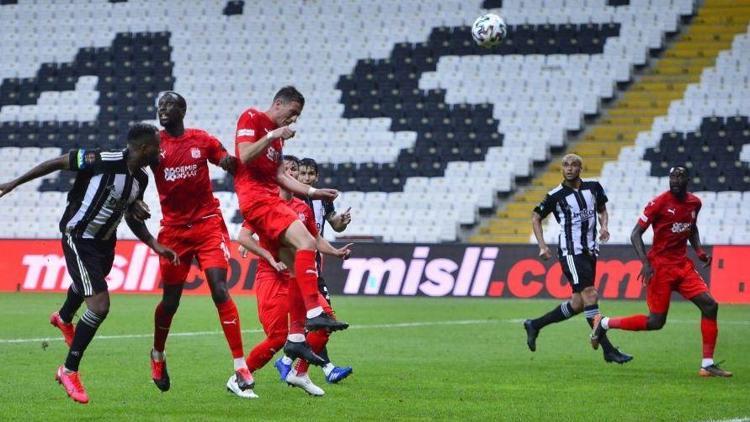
[305, 214]
[257, 177]
[182, 179]
[673, 222]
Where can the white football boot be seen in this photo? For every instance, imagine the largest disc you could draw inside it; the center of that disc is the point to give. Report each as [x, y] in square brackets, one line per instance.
[304, 382]
[233, 387]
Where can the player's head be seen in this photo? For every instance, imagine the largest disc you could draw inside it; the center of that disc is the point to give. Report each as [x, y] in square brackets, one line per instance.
[171, 108]
[678, 180]
[291, 166]
[571, 167]
[143, 144]
[287, 106]
[308, 171]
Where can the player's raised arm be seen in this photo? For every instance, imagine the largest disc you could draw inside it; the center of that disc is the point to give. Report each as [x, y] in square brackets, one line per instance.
[300, 189]
[339, 222]
[141, 232]
[60, 163]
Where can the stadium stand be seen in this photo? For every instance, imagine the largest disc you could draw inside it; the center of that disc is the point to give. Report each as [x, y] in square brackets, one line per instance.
[417, 126]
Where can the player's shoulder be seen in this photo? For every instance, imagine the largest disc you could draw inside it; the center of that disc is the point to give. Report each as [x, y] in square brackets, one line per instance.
[693, 198]
[199, 135]
[590, 184]
[556, 190]
[251, 113]
[661, 198]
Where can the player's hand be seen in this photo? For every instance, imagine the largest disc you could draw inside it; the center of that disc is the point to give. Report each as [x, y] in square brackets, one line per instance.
[278, 266]
[140, 210]
[165, 252]
[284, 132]
[603, 234]
[243, 251]
[229, 164]
[325, 194]
[707, 259]
[6, 187]
[545, 253]
[346, 217]
[646, 273]
[345, 252]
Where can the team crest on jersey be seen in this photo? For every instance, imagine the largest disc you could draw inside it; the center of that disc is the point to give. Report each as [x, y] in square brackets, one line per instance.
[195, 152]
[301, 217]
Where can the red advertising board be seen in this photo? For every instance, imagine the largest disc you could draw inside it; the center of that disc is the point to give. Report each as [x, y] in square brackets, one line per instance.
[511, 271]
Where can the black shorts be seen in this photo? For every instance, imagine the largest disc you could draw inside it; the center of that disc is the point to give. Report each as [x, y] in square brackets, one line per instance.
[89, 261]
[580, 270]
[323, 289]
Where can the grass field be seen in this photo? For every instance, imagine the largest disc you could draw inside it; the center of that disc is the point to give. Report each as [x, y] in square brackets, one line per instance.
[413, 359]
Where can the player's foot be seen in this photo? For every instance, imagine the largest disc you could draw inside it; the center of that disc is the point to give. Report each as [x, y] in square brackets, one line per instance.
[68, 329]
[159, 372]
[338, 373]
[617, 356]
[531, 334]
[304, 382]
[714, 371]
[597, 331]
[241, 383]
[71, 382]
[282, 368]
[302, 350]
[325, 321]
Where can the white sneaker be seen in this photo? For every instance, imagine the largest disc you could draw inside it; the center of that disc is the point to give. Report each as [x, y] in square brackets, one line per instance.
[233, 387]
[304, 382]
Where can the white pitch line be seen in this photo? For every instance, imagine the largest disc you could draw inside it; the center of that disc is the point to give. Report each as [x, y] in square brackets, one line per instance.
[208, 333]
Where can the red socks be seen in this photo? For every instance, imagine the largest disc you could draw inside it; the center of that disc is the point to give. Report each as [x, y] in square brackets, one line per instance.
[297, 313]
[263, 352]
[709, 331]
[230, 323]
[631, 323]
[317, 341]
[162, 322]
[306, 272]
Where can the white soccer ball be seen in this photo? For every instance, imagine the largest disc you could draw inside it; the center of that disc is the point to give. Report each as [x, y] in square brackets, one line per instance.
[489, 30]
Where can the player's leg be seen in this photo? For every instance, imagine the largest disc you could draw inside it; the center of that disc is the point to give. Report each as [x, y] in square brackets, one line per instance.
[63, 318]
[273, 314]
[296, 345]
[333, 373]
[693, 288]
[306, 272]
[88, 264]
[565, 310]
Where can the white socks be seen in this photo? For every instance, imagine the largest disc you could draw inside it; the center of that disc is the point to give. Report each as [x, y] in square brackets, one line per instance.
[286, 360]
[605, 323]
[328, 368]
[239, 363]
[312, 313]
[707, 362]
[296, 338]
[157, 355]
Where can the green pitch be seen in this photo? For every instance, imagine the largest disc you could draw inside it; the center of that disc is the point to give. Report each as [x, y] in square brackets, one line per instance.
[413, 359]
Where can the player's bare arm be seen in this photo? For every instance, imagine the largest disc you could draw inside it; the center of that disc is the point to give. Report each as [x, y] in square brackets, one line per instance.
[141, 232]
[42, 169]
[636, 239]
[249, 244]
[140, 210]
[249, 150]
[536, 223]
[695, 242]
[326, 248]
[603, 223]
[228, 164]
[339, 222]
[297, 188]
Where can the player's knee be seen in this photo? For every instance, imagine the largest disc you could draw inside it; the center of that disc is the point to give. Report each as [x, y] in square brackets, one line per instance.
[169, 306]
[307, 243]
[590, 295]
[656, 322]
[276, 340]
[710, 309]
[577, 304]
[220, 294]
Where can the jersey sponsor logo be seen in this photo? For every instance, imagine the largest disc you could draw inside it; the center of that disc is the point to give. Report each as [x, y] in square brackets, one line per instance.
[182, 172]
[681, 227]
[113, 201]
[195, 152]
[584, 214]
[245, 132]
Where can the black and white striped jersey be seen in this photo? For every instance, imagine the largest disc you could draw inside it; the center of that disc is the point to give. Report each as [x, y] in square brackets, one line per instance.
[322, 210]
[103, 190]
[575, 211]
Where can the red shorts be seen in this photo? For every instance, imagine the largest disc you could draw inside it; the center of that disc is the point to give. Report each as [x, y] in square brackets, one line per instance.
[270, 216]
[272, 293]
[679, 276]
[206, 240]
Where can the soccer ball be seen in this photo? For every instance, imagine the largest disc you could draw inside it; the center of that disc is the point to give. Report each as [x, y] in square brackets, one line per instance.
[489, 30]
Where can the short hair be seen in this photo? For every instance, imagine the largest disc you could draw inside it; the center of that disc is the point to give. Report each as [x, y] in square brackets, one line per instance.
[574, 157]
[292, 158]
[140, 133]
[309, 162]
[180, 99]
[680, 166]
[289, 93]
